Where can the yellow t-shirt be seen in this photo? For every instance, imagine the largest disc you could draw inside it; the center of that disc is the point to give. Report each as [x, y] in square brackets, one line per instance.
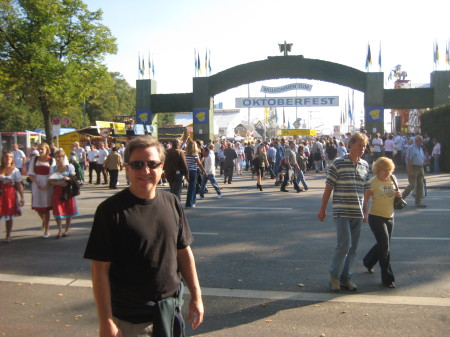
[383, 194]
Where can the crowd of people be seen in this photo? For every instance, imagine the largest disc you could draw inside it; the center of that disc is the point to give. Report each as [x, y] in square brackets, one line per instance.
[194, 163]
[53, 177]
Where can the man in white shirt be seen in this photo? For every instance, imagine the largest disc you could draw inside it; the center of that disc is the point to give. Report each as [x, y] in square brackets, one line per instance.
[102, 154]
[210, 174]
[92, 157]
[19, 158]
[377, 144]
[436, 154]
[398, 143]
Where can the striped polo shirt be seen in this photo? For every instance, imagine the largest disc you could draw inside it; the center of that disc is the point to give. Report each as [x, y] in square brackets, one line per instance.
[349, 183]
[192, 162]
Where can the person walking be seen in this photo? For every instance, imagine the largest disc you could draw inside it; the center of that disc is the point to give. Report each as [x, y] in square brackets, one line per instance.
[260, 162]
[140, 253]
[249, 151]
[240, 158]
[302, 162]
[92, 157]
[381, 217]
[347, 179]
[415, 159]
[377, 145]
[210, 172]
[175, 167]
[290, 166]
[389, 147]
[194, 164]
[317, 154]
[63, 208]
[10, 184]
[19, 158]
[228, 163]
[81, 158]
[271, 157]
[113, 163]
[102, 154]
[436, 154]
[42, 191]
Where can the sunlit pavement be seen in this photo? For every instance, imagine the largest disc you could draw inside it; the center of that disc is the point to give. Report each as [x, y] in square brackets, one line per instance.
[262, 259]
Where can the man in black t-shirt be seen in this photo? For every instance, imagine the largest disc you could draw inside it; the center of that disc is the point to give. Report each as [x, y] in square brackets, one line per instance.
[140, 248]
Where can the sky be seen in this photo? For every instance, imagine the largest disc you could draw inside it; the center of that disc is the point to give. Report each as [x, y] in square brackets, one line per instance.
[238, 32]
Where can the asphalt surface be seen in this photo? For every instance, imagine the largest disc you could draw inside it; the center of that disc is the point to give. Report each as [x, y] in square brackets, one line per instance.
[262, 259]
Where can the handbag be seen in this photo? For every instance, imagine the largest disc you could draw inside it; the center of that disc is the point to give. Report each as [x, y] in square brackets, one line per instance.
[399, 203]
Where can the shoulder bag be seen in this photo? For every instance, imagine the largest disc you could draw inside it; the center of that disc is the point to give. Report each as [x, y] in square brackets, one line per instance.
[399, 203]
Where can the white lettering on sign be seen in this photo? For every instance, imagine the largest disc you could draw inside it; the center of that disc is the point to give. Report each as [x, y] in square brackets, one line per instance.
[307, 101]
[287, 87]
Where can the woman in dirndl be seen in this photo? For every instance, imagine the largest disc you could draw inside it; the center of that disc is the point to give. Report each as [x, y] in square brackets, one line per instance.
[10, 182]
[41, 190]
[63, 208]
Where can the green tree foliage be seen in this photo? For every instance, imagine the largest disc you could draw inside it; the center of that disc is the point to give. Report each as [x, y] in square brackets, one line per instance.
[16, 114]
[116, 97]
[167, 118]
[435, 122]
[51, 53]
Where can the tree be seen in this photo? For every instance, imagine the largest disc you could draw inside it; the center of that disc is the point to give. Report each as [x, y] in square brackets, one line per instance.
[166, 118]
[16, 114]
[51, 53]
[108, 100]
[435, 122]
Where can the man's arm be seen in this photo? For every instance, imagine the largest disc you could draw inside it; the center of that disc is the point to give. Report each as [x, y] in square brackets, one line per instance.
[24, 161]
[367, 195]
[186, 263]
[102, 295]
[325, 197]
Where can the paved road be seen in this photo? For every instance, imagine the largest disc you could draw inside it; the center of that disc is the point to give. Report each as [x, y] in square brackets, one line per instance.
[262, 258]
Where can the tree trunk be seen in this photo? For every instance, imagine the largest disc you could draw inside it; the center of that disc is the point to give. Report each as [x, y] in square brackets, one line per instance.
[47, 120]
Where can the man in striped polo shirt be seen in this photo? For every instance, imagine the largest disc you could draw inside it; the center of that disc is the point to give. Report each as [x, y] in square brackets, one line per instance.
[348, 178]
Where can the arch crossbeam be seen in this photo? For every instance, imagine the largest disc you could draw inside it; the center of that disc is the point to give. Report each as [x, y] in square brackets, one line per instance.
[287, 67]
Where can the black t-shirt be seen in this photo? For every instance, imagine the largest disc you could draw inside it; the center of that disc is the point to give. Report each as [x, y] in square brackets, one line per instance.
[140, 238]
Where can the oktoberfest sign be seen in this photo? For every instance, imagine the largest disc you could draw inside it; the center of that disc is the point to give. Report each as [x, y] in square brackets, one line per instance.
[285, 88]
[298, 101]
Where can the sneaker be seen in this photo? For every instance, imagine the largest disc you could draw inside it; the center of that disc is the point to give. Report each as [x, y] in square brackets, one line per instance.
[334, 284]
[193, 206]
[219, 196]
[284, 190]
[201, 198]
[421, 205]
[349, 285]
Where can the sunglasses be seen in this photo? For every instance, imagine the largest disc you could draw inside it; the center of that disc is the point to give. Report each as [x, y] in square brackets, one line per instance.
[139, 164]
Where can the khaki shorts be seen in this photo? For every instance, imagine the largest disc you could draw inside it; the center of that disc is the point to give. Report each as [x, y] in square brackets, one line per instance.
[134, 330]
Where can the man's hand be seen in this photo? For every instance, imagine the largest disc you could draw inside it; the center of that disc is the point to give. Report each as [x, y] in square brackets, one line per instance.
[322, 215]
[110, 330]
[196, 312]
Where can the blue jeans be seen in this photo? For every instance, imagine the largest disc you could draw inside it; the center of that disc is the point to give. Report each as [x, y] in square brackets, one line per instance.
[213, 181]
[191, 192]
[301, 178]
[286, 180]
[436, 163]
[348, 230]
